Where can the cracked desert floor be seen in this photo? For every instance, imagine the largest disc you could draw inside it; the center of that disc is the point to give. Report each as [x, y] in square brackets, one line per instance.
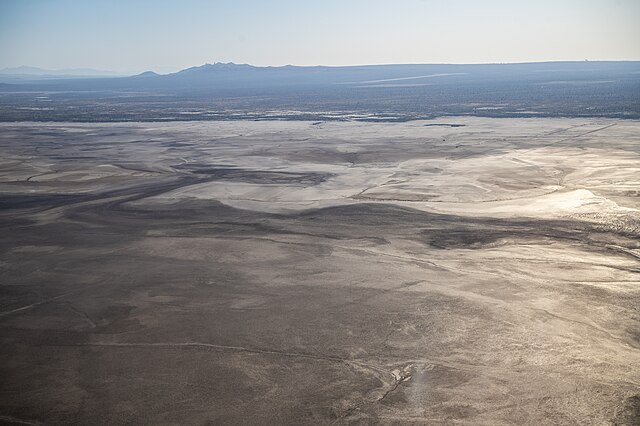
[454, 271]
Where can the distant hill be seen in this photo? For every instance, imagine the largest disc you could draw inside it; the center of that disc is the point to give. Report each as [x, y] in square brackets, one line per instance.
[147, 74]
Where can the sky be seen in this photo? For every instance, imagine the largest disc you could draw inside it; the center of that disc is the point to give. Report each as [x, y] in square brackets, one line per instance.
[136, 35]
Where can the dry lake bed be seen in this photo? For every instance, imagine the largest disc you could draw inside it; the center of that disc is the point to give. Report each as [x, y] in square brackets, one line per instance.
[454, 271]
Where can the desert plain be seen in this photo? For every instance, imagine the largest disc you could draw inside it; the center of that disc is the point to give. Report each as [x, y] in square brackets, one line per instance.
[452, 271]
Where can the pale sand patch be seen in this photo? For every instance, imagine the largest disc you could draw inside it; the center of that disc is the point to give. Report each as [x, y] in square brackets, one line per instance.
[556, 204]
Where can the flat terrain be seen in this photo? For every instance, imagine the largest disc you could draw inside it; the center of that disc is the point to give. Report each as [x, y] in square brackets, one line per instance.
[460, 270]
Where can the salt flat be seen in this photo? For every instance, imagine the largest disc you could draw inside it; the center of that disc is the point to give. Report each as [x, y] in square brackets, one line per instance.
[461, 270]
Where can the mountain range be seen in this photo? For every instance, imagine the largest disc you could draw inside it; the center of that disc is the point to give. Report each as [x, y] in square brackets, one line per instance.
[585, 88]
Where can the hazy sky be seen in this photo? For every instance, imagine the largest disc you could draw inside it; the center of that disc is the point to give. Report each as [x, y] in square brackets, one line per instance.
[135, 35]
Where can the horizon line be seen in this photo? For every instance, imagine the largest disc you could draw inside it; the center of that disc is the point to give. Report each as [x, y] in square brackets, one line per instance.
[101, 69]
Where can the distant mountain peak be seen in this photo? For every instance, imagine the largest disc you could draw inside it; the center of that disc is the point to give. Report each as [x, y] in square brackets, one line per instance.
[218, 66]
[148, 74]
[230, 65]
